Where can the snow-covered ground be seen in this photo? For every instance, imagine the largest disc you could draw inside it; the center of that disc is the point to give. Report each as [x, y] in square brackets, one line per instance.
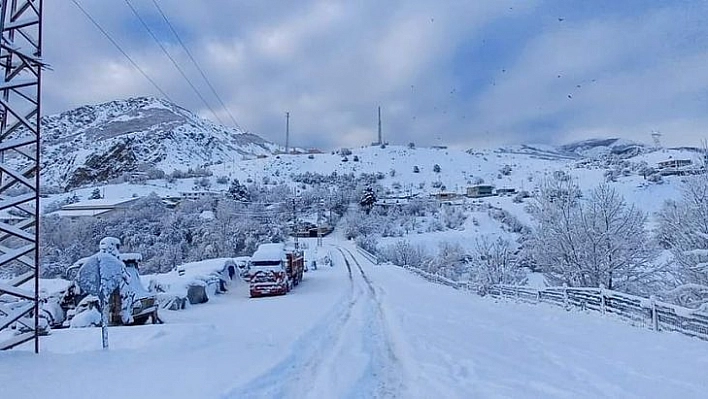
[359, 330]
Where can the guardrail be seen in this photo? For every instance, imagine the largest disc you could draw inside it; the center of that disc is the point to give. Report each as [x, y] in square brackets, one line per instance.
[645, 312]
[368, 255]
[639, 311]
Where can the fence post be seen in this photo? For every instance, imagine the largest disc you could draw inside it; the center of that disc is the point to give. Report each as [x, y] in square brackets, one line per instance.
[517, 293]
[654, 317]
[602, 298]
[565, 296]
[538, 295]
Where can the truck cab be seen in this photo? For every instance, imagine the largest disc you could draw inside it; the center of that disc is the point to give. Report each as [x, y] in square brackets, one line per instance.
[273, 270]
[268, 270]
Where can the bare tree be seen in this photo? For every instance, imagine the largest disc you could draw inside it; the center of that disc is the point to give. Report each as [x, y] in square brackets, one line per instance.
[554, 244]
[599, 240]
[617, 249]
[684, 230]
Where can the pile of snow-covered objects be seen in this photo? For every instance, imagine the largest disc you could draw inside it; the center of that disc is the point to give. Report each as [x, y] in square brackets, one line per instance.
[196, 282]
[75, 301]
[110, 274]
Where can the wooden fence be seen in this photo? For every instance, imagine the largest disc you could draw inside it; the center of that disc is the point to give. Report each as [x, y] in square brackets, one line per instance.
[639, 311]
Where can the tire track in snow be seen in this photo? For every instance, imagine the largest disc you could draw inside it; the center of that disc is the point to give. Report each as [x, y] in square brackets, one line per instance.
[385, 364]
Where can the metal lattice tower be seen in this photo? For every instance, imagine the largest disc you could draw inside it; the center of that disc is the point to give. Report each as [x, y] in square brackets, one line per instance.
[656, 137]
[20, 60]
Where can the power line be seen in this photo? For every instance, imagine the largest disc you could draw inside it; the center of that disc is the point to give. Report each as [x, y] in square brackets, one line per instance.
[98, 26]
[196, 64]
[174, 62]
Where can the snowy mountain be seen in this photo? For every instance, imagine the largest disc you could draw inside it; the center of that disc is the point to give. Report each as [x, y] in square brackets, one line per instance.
[590, 148]
[595, 148]
[96, 143]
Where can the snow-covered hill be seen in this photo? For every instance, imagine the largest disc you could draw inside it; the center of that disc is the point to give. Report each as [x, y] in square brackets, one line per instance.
[96, 143]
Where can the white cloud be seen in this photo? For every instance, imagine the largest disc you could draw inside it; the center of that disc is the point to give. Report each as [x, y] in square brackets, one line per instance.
[330, 63]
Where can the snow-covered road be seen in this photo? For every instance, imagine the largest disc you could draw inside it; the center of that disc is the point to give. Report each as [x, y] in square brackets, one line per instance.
[358, 331]
[349, 354]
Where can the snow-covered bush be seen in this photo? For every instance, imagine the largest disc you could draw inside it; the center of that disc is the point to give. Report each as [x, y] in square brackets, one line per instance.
[453, 217]
[492, 261]
[368, 243]
[611, 175]
[403, 253]
[202, 183]
[655, 178]
[450, 260]
[510, 221]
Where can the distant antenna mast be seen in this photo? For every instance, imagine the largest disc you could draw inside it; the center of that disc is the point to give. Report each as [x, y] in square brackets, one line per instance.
[656, 136]
[287, 132]
[380, 140]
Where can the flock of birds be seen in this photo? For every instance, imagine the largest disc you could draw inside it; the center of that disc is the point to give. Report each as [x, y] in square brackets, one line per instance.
[453, 91]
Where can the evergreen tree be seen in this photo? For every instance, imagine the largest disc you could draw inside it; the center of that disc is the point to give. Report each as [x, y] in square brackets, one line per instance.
[95, 194]
[238, 191]
[367, 200]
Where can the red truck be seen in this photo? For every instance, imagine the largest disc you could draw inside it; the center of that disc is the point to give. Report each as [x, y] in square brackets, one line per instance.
[273, 270]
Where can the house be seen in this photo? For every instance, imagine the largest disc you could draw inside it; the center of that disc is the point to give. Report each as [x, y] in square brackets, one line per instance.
[137, 177]
[197, 195]
[445, 196]
[97, 208]
[505, 191]
[674, 163]
[480, 190]
[395, 200]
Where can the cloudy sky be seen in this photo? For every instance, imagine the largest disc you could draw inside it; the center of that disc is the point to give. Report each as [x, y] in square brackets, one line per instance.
[459, 72]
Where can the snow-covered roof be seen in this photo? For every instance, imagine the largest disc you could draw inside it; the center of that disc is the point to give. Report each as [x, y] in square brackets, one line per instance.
[104, 203]
[79, 212]
[269, 252]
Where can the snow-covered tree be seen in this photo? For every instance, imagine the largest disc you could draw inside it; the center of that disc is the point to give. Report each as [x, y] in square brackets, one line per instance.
[684, 230]
[367, 200]
[554, 243]
[95, 194]
[618, 251]
[599, 240]
[238, 191]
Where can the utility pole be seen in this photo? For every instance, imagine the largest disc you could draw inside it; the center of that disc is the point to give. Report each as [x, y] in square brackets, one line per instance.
[287, 132]
[320, 217]
[380, 139]
[295, 232]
